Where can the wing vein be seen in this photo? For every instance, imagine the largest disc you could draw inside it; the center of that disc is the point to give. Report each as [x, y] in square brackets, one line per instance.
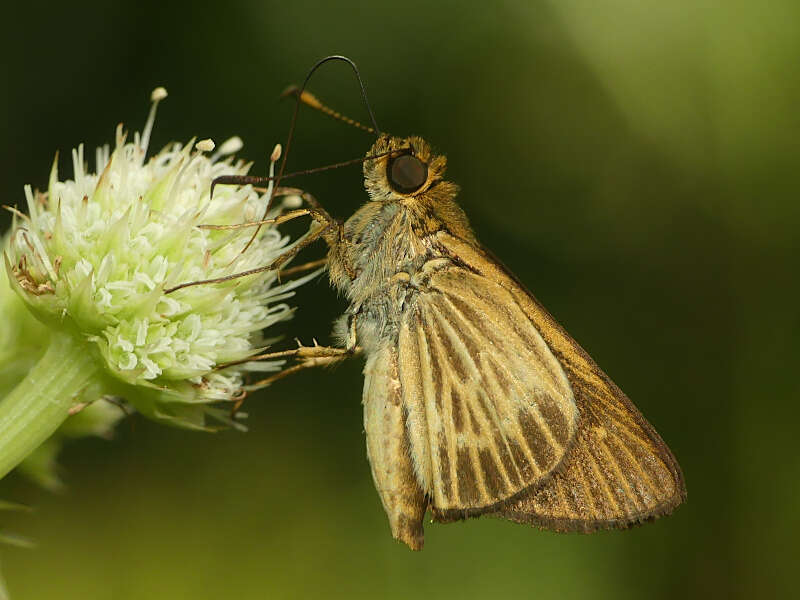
[646, 479]
[494, 416]
[601, 478]
[427, 395]
[491, 416]
[586, 486]
[620, 476]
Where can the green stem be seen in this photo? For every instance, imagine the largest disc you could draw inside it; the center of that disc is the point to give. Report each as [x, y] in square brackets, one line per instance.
[40, 403]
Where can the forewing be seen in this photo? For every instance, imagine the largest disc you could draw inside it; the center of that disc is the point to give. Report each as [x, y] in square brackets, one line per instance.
[618, 471]
[490, 408]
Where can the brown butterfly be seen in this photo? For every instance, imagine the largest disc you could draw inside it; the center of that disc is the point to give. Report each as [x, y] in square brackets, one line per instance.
[476, 401]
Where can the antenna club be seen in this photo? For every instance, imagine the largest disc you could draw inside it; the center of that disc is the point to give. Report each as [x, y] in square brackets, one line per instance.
[310, 99]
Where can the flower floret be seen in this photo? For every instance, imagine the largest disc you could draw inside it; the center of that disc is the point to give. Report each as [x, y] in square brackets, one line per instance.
[99, 252]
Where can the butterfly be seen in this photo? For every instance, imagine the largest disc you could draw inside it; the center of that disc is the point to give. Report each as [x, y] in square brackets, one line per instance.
[476, 401]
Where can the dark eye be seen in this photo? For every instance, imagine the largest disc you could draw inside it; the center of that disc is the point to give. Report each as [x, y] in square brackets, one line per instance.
[407, 173]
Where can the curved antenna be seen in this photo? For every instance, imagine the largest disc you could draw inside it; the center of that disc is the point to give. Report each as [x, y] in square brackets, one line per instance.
[316, 66]
[358, 77]
[311, 100]
[311, 71]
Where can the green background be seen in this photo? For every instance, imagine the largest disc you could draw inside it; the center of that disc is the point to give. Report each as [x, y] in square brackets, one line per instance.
[635, 163]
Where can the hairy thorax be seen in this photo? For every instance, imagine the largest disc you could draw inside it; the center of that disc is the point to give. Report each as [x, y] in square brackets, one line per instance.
[386, 248]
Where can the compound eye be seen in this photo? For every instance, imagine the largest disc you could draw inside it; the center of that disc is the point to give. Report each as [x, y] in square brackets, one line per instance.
[407, 173]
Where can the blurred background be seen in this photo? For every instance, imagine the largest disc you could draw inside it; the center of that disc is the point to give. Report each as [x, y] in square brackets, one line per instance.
[635, 163]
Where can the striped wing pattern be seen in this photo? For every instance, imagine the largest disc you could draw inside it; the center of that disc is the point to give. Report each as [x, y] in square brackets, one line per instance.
[613, 477]
[388, 449]
[618, 471]
[490, 410]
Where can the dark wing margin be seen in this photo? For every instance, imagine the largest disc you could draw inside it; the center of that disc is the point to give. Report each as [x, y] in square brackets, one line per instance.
[618, 472]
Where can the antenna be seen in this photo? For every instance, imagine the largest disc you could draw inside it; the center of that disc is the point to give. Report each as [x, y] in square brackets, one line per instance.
[299, 95]
[311, 100]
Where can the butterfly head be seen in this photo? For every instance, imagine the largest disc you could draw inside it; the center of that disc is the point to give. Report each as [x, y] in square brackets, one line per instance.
[408, 168]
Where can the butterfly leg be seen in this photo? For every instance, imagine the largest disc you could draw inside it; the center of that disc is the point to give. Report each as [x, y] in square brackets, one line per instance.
[305, 196]
[307, 357]
[327, 230]
[309, 266]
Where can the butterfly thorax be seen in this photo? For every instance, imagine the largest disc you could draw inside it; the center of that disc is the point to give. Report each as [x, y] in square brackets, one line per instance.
[384, 254]
[379, 242]
[384, 251]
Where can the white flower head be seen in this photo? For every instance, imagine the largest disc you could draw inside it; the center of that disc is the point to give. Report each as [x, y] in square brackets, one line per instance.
[97, 253]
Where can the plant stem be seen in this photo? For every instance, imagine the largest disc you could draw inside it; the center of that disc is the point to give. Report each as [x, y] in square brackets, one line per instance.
[40, 403]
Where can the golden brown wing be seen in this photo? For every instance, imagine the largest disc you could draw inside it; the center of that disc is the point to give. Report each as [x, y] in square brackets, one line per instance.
[388, 449]
[618, 471]
[490, 410]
